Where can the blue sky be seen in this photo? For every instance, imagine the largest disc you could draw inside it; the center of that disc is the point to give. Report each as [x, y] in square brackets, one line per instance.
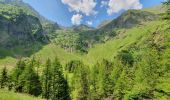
[90, 12]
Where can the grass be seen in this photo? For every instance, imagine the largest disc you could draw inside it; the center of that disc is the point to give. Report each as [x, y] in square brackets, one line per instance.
[122, 41]
[51, 51]
[107, 50]
[8, 95]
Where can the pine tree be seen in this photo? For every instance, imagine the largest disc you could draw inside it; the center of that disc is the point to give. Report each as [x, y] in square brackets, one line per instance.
[30, 80]
[94, 78]
[46, 80]
[60, 89]
[4, 78]
[104, 71]
[81, 82]
[20, 66]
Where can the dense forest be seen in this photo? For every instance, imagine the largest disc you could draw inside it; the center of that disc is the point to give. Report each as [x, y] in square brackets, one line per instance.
[125, 59]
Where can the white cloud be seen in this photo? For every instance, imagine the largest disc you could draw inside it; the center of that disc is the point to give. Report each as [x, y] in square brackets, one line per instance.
[104, 3]
[89, 23]
[114, 6]
[84, 6]
[76, 19]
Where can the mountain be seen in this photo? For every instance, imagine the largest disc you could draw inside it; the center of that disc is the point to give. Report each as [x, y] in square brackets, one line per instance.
[81, 27]
[19, 28]
[109, 29]
[125, 59]
[26, 7]
[103, 23]
[159, 9]
[130, 19]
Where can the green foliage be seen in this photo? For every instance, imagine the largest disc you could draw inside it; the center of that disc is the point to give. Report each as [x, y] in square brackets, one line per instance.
[81, 82]
[17, 72]
[72, 66]
[138, 66]
[30, 80]
[55, 86]
[22, 32]
[4, 78]
[46, 80]
[167, 13]
[66, 39]
[60, 89]
[126, 58]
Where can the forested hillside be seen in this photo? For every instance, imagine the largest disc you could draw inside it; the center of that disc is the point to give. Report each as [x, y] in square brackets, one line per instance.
[124, 59]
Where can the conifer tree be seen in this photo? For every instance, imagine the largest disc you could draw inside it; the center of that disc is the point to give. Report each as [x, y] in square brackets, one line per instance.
[60, 89]
[4, 78]
[20, 66]
[30, 80]
[46, 80]
[81, 82]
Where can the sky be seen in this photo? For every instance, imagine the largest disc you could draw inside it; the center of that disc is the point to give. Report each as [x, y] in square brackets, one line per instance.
[89, 12]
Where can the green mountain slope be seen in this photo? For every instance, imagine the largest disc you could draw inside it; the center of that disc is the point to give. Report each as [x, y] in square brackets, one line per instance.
[19, 31]
[95, 42]
[130, 19]
[125, 39]
[126, 59]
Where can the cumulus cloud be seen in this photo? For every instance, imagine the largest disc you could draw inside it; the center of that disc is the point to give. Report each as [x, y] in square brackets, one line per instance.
[89, 23]
[84, 6]
[76, 19]
[114, 6]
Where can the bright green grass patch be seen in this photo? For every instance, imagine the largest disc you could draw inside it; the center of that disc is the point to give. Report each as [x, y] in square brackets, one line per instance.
[51, 51]
[8, 95]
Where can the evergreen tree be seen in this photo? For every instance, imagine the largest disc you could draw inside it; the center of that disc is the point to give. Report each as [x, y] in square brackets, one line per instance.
[47, 80]
[30, 80]
[104, 82]
[94, 82]
[81, 82]
[60, 89]
[4, 78]
[10, 82]
[20, 66]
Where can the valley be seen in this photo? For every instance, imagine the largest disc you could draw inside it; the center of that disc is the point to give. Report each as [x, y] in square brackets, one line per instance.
[126, 58]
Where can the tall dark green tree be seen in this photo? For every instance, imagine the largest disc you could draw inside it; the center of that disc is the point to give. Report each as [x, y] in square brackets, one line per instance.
[4, 78]
[47, 80]
[30, 80]
[20, 66]
[60, 89]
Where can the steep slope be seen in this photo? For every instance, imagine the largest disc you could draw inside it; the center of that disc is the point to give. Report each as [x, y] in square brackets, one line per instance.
[125, 39]
[103, 23]
[159, 9]
[26, 7]
[19, 30]
[130, 19]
